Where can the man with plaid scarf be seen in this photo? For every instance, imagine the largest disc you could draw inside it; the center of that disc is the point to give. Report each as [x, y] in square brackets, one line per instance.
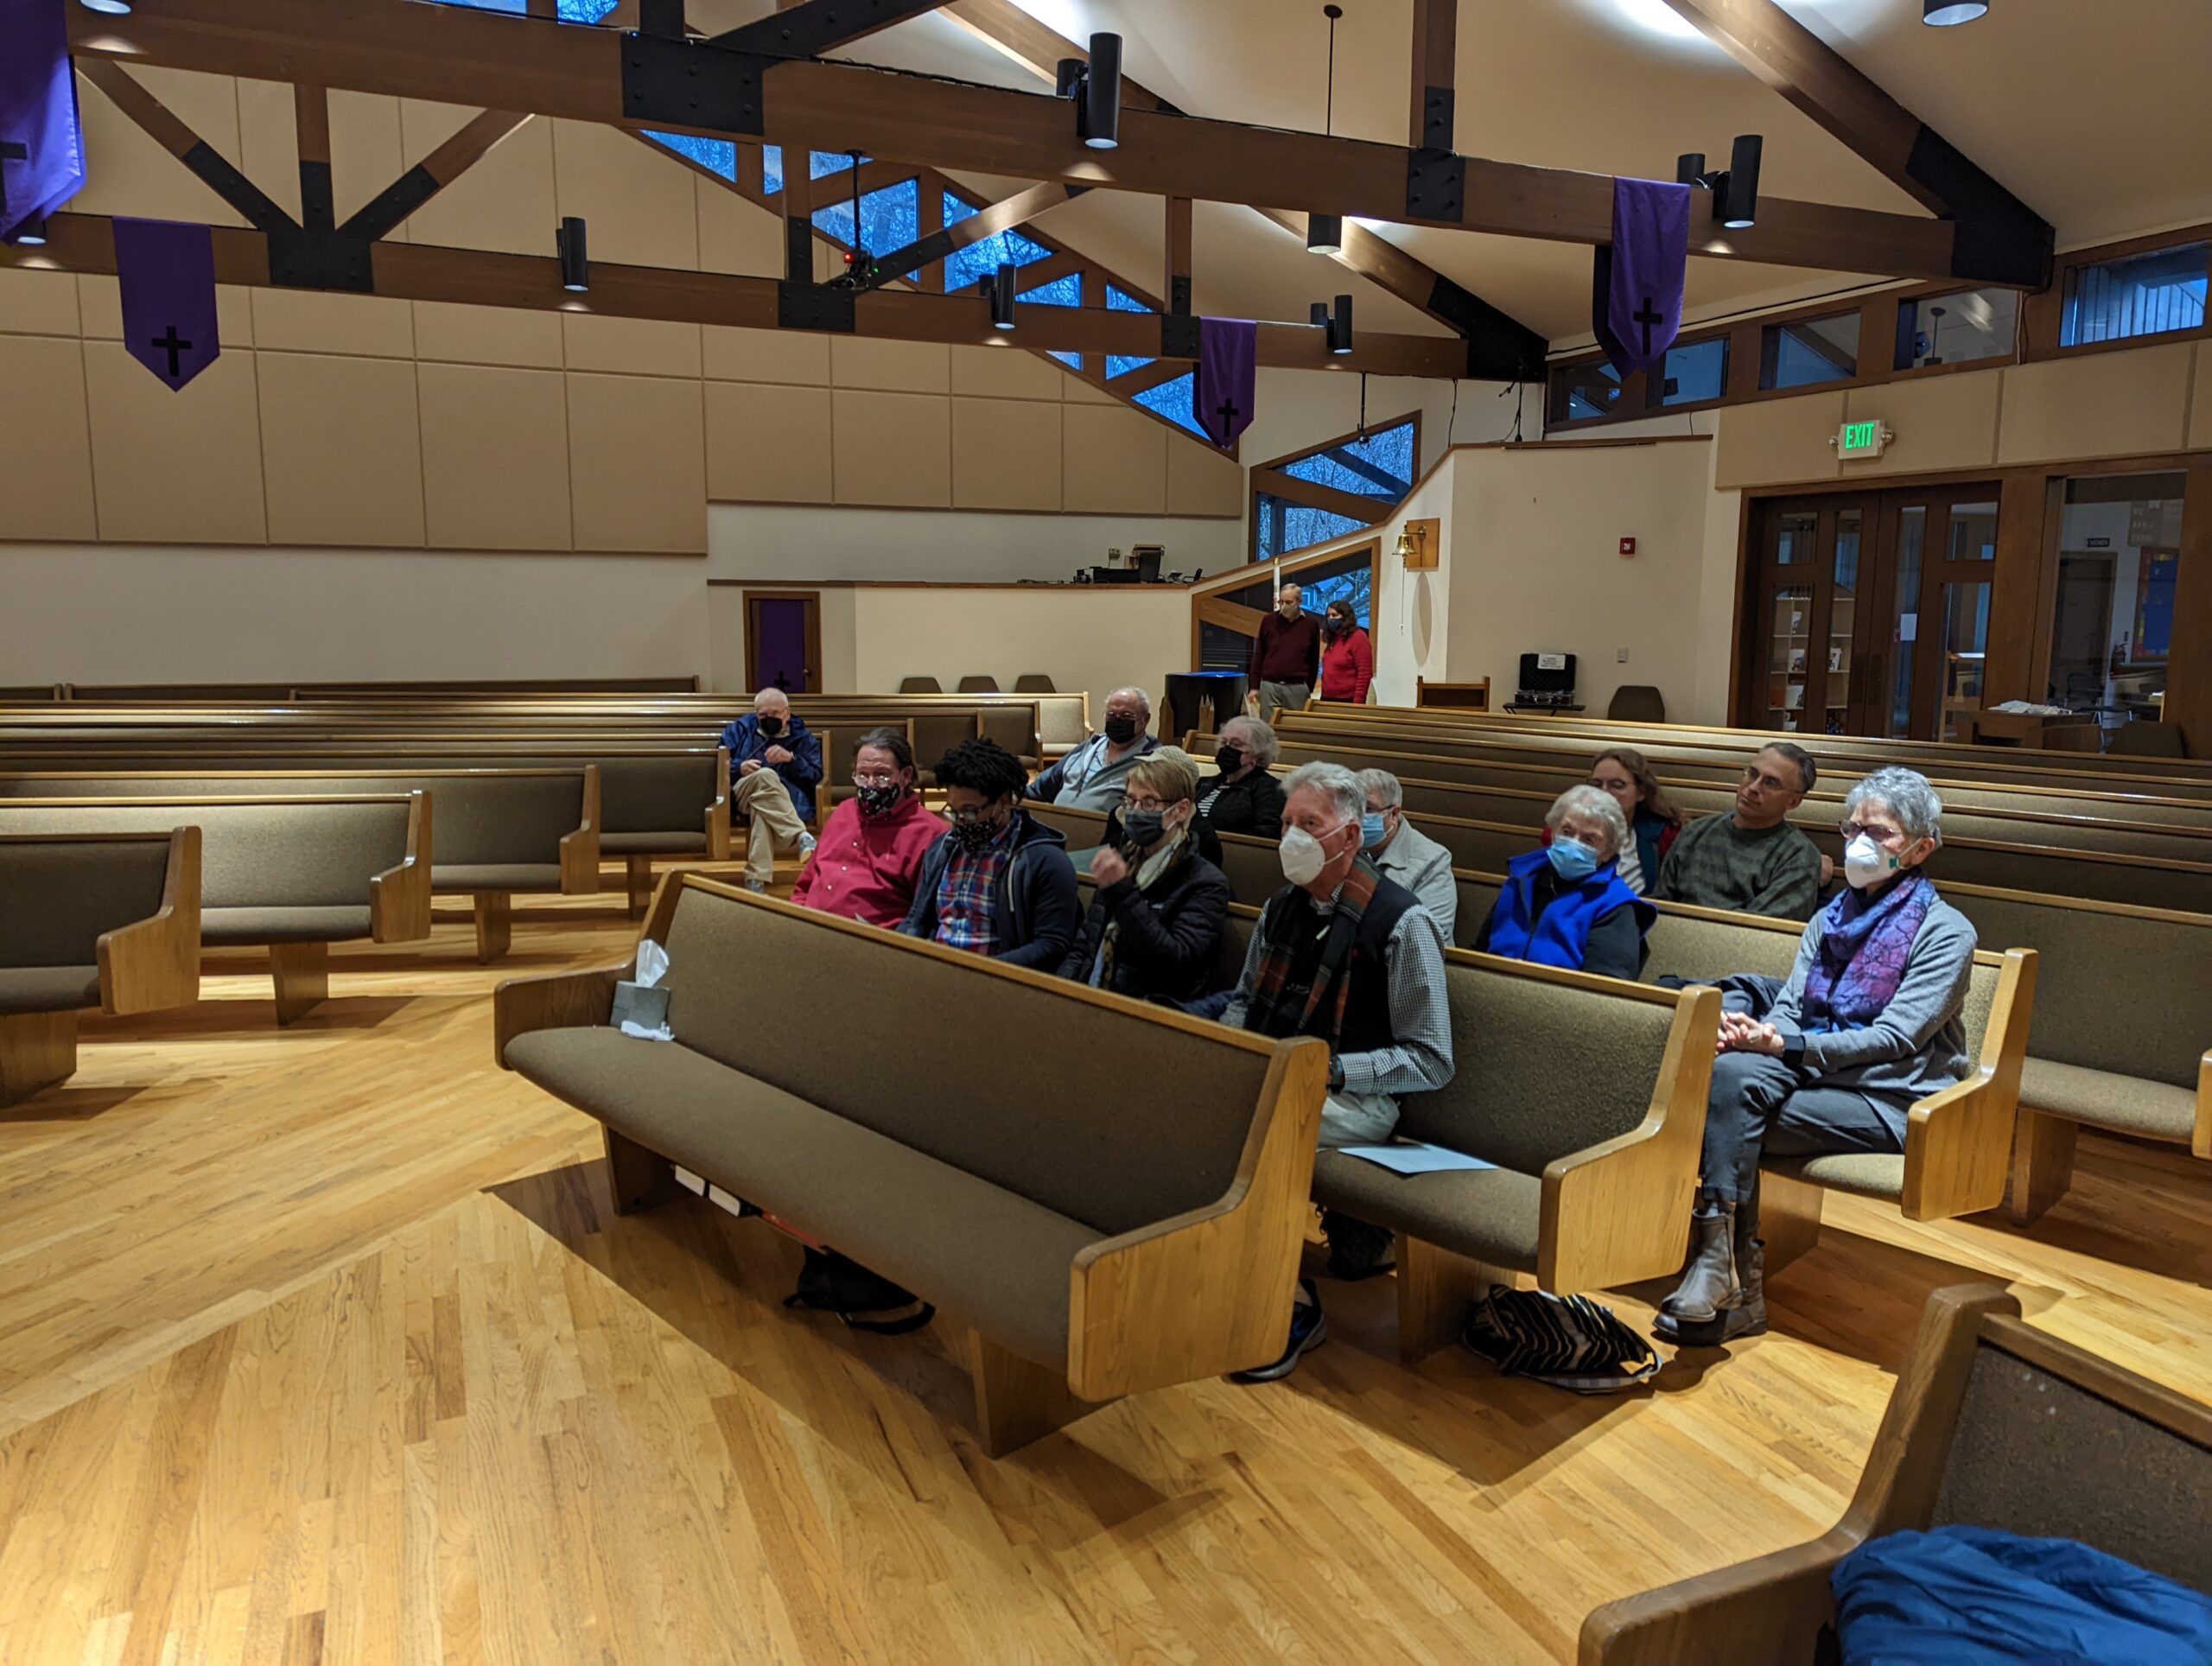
[1343, 953]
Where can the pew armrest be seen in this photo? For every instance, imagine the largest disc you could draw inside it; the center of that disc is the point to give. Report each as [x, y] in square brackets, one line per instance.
[2201, 1140]
[1620, 1211]
[1958, 1143]
[1767, 1611]
[563, 1001]
[718, 811]
[152, 964]
[399, 898]
[580, 849]
[1208, 1292]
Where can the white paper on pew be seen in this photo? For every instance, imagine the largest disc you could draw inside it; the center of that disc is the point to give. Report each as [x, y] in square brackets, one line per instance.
[1413, 1157]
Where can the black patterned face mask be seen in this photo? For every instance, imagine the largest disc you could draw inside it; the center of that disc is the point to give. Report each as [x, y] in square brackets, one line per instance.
[880, 800]
[975, 838]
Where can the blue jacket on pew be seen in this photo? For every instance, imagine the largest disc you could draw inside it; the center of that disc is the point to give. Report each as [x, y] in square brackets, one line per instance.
[801, 776]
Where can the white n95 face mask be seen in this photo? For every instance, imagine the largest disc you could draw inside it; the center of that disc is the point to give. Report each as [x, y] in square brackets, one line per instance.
[1867, 863]
[1303, 859]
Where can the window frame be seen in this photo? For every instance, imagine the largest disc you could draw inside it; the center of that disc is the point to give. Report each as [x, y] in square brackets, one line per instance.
[1268, 478]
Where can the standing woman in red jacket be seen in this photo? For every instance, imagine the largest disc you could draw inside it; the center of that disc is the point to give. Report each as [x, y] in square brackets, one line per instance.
[1347, 658]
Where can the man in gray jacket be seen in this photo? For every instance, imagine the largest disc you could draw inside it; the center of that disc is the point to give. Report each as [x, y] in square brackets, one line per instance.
[1871, 1019]
[1403, 852]
[1092, 775]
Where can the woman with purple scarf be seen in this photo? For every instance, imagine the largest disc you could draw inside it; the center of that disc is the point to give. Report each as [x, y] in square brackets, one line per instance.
[1868, 1022]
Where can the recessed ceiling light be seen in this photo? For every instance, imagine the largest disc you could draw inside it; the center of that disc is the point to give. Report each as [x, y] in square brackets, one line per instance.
[1948, 14]
[107, 8]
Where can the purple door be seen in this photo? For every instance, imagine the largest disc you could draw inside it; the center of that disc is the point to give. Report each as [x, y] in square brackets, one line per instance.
[781, 636]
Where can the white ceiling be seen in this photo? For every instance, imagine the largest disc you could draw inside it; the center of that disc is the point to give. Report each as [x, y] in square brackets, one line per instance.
[2092, 110]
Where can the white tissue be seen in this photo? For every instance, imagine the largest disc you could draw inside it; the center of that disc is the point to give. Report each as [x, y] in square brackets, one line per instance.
[652, 964]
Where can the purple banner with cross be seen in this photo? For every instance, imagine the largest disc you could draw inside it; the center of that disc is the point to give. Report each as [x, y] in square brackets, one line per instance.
[1635, 300]
[168, 272]
[1228, 354]
[41, 147]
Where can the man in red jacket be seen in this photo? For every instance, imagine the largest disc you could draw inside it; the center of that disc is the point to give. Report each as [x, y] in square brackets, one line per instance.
[1286, 656]
[871, 848]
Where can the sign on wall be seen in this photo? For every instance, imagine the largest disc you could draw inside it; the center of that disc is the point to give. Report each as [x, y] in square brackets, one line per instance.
[1856, 441]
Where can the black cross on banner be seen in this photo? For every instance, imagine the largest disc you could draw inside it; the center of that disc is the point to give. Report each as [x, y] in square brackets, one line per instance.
[10, 150]
[1228, 410]
[1647, 315]
[172, 344]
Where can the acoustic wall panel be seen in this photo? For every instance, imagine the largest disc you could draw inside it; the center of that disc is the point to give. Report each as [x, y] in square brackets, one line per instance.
[1005, 454]
[1202, 480]
[487, 335]
[736, 235]
[640, 204]
[637, 463]
[341, 446]
[892, 448]
[735, 355]
[860, 361]
[1115, 461]
[1006, 373]
[503, 202]
[1944, 421]
[2101, 404]
[175, 467]
[38, 303]
[305, 320]
[638, 346]
[768, 444]
[495, 458]
[44, 439]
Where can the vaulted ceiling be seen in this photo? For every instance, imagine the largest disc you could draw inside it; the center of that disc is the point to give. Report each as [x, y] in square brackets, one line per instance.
[2092, 110]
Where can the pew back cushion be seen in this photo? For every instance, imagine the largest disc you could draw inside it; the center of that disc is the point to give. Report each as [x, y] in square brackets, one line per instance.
[57, 898]
[925, 1065]
[654, 803]
[272, 870]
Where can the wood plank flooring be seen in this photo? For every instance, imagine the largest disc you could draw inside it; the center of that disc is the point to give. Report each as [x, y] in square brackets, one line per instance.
[326, 1344]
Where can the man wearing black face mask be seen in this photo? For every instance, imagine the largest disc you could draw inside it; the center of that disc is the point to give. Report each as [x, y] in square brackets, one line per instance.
[1095, 774]
[774, 766]
[1000, 883]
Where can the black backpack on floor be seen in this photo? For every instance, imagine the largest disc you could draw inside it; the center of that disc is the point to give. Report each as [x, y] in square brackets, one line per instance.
[832, 1283]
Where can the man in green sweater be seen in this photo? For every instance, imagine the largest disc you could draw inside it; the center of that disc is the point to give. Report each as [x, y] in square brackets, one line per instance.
[1751, 861]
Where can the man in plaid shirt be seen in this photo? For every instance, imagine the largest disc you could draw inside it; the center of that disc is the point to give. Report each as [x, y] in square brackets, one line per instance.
[1000, 883]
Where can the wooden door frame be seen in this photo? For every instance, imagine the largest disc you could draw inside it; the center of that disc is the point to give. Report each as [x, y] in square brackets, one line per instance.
[812, 599]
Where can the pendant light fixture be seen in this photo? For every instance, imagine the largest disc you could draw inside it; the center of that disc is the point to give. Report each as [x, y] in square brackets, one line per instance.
[1325, 233]
[575, 261]
[999, 290]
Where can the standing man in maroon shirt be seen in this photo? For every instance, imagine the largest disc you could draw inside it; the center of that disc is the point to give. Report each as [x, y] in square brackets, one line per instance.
[1286, 656]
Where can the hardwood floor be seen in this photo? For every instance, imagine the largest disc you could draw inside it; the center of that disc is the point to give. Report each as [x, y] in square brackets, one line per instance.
[326, 1344]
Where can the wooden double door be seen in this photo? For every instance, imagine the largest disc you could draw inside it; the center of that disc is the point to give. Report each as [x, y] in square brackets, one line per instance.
[1870, 611]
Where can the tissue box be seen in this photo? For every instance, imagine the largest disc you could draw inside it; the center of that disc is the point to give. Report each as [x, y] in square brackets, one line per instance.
[636, 1003]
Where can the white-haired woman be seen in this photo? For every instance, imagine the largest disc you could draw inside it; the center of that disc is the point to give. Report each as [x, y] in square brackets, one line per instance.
[1241, 796]
[1566, 905]
[1869, 1021]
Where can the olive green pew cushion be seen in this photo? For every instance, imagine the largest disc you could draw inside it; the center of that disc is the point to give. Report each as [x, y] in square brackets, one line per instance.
[242, 928]
[58, 897]
[2127, 1104]
[1493, 1215]
[48, 988]
[653, 844]
[922, 1223]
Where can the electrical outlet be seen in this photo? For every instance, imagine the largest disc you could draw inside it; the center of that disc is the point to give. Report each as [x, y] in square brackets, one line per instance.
[1620, 656]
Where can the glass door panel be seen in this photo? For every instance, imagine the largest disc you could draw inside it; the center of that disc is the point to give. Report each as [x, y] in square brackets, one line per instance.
[1966, 644]
[1904, 629]
[1839, 648]
[1789, 638]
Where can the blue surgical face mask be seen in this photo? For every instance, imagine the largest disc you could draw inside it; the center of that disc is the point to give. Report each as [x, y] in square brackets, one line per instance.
[1572, 860]
[1372, 830]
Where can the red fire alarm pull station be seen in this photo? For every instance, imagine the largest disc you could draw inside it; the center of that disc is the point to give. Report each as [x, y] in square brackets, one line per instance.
[1628, 546]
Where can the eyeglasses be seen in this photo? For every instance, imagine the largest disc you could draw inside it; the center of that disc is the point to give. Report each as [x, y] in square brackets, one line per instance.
[1754, 776]
[970, 818]
[1130, 801]
[875, 780]
[1888, 837]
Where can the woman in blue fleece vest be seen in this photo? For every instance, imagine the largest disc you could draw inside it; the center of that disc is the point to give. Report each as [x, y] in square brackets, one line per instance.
[1566, 905]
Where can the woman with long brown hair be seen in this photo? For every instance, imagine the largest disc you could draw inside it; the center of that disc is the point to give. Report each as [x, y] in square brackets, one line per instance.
[1652, 821]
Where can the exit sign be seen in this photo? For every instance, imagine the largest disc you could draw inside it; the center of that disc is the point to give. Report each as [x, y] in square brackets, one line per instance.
[1867, 439]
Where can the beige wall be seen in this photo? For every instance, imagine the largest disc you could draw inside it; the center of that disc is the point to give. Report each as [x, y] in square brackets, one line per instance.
[1412, 612]
[2093, 404]
[134, 614]
[1534, 547]
[775, 541]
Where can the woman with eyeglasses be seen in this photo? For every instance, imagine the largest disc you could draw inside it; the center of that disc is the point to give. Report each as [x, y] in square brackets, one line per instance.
[871, 848]
[1871, 1021]
[1154, 925]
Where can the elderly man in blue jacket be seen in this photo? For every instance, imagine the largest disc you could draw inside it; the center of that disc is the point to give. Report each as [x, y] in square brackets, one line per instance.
[774, 766]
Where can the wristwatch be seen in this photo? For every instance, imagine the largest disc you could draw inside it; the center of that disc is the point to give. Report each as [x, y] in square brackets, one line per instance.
[1335, 1076]
[1793, 1053]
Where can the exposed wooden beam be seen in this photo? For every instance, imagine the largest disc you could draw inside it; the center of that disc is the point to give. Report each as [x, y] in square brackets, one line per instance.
[1178, 274]
[445, 53]
[311, 120]
[1314, 495]
[1000, 216]
[1436, 57]
[474, 140]
[1996, 230]
[1500, 347]
[818, 26]
[419, 271]
[169, 131]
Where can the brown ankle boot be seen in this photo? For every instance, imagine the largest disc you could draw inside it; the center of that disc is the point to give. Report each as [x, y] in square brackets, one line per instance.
[1710, 1286]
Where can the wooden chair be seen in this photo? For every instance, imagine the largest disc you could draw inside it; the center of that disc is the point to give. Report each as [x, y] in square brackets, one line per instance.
[1033, 683]
[978, 685]
[1994, 1423]
[1637, 702]
[918, 685]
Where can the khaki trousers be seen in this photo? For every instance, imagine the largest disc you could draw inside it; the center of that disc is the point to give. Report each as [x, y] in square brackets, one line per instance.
[764, 800]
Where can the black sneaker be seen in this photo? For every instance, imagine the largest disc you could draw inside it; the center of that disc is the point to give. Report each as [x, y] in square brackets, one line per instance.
[1309, 1328]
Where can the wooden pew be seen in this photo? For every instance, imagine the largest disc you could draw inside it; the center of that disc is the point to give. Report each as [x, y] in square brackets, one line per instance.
[1090, 1255]
[500, 831]
[1994, 1423]
[291, 875]
[109, 920]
